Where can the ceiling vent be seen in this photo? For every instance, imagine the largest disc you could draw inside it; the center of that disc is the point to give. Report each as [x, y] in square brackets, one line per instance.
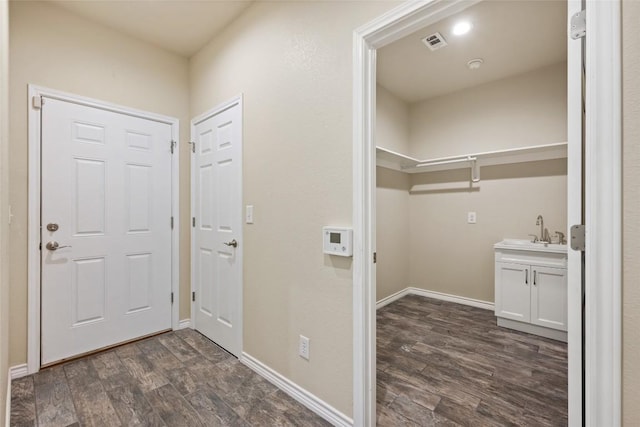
[434, 41]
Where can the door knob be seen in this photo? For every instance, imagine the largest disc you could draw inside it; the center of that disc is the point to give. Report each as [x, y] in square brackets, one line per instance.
[54, 246]
[232, 243]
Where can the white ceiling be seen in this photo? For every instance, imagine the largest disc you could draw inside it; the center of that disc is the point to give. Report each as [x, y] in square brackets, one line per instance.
[181, 26]
[511, 37]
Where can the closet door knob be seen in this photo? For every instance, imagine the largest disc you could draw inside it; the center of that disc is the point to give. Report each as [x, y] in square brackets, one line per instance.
[232, 243]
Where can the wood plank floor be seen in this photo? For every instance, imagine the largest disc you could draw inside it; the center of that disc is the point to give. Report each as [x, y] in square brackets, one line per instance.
[175, 379]
[441, 363]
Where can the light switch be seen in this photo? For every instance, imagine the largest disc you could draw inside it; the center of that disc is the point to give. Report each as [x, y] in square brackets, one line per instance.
[471, 217]
[249, 214]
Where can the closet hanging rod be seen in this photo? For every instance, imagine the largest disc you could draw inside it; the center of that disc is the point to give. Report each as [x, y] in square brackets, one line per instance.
[446, 162]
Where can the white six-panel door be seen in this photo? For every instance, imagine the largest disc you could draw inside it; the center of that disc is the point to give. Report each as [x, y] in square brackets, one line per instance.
[106, 185]
[217, 225]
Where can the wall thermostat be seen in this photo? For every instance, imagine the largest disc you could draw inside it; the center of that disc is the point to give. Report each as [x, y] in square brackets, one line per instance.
[337, 241]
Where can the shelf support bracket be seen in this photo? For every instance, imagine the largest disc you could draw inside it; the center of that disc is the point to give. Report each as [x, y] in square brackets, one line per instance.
[475, 169]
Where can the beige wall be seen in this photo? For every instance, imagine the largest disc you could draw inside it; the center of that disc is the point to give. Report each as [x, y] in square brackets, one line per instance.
[528, 109]
[293, 63]
[392, 121]
[392, 232]
[4, 206]
[392, 197]
[631, 213]
[450, 256]
[56, 49]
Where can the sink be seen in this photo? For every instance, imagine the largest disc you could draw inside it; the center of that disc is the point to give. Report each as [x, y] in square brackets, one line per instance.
[528, 245]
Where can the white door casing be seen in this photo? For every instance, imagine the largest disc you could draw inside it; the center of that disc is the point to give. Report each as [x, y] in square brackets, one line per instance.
[574, 216]
[603, 206]
[119, 234]
[603, 215]
[217, 225]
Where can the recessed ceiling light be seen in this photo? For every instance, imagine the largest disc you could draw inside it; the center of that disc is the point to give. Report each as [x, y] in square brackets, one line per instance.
[462, 27]
[474, 64]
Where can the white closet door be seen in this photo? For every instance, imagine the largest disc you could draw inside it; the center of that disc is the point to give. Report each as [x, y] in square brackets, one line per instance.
[217, 243]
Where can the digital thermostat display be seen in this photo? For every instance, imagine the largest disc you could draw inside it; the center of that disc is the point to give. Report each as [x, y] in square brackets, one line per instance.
[337, 241]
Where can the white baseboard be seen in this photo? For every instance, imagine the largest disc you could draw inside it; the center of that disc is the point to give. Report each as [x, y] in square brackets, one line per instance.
[391, 298]
[533, 329]
[184, 324]
[436, 295]
[18, 371]
[311, 401]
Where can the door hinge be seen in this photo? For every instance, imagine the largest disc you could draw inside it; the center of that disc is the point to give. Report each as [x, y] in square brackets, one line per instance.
[193, 221]
[193, 296]
[171, 297]
[375, 257]
[193, 146]
[173, 145]
[578, 25]
[172, 223]
[37, 102]
[578, 237]
[40, 246]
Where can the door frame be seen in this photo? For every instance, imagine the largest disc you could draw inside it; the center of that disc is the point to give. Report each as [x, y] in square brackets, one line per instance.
[34, 214]
[236, 100]
[602, 398]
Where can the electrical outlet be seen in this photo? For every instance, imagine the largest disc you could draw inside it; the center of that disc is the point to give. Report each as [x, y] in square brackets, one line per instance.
[471, 218]
[303, 347]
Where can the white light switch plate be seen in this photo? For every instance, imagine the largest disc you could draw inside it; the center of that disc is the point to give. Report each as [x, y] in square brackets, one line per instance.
[249, 214]
[471, 217]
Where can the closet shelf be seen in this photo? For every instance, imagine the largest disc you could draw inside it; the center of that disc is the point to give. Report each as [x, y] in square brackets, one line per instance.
[396, 161]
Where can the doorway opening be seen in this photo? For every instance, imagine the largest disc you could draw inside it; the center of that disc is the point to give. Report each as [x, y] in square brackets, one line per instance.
[471, 131]
[602, 311]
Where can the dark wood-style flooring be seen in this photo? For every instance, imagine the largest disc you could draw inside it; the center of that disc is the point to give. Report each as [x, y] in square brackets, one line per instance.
[447, 364]
[175, 379]
[438, 363]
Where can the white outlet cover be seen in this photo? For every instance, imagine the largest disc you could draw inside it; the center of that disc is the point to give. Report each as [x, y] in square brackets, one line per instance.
[303, 347]
[471, 217]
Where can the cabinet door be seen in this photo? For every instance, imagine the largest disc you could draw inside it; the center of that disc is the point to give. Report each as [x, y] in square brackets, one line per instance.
[549, 297]
[512, 291]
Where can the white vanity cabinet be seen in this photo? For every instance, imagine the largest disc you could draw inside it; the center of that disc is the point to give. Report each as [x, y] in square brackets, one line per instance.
[513, 293]
[531, 287]
[549, 297]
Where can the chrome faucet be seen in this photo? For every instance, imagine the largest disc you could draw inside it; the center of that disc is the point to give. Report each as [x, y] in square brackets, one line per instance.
[544, 233]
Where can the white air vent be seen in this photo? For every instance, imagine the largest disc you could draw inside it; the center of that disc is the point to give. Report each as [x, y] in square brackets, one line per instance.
[434, 41]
